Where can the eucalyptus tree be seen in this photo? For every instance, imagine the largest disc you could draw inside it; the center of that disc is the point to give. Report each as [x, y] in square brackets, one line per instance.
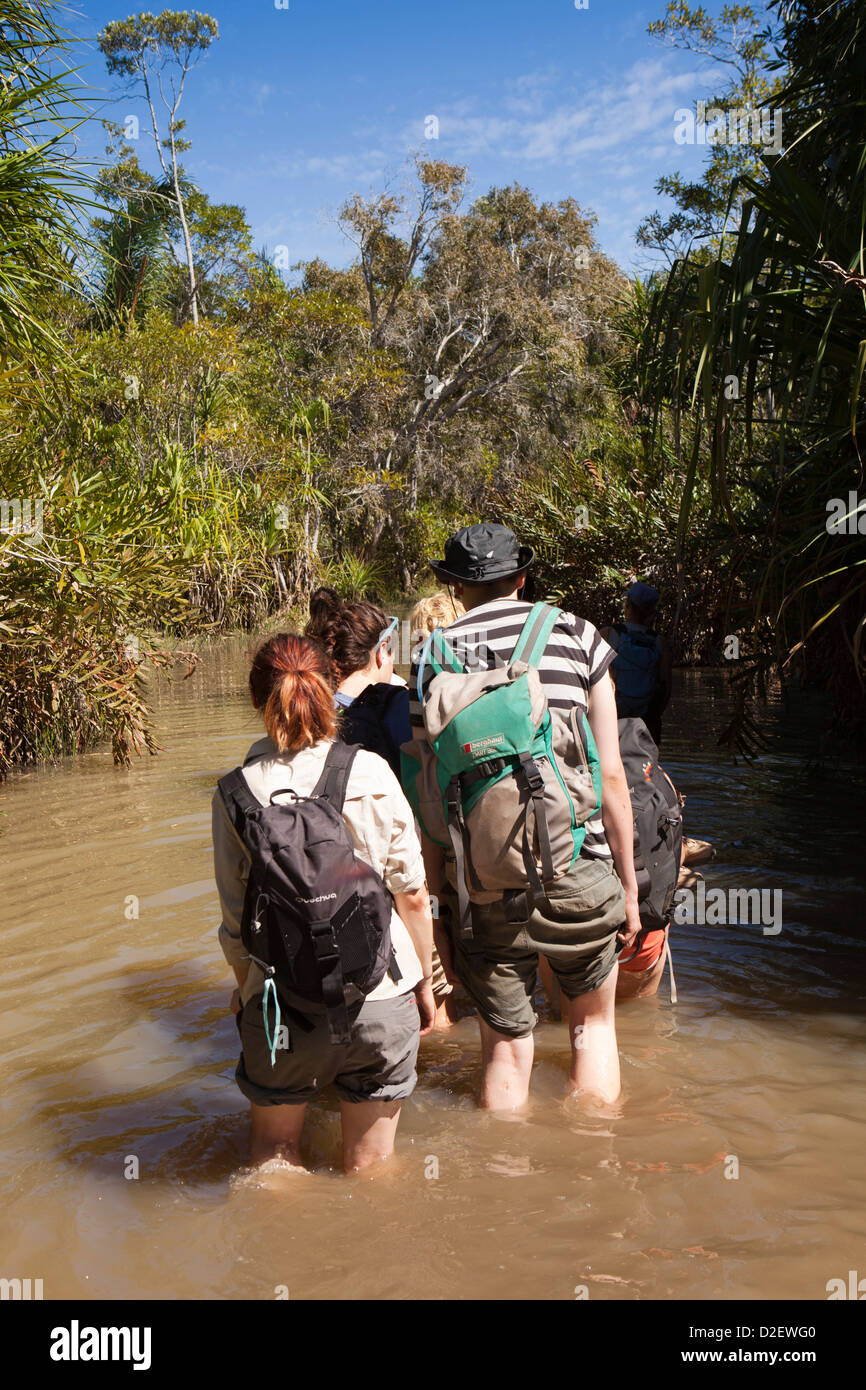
[495, 319]
[740, 41]
[155, 54]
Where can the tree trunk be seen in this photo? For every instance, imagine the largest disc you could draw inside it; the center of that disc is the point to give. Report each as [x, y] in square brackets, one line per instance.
[186, 237]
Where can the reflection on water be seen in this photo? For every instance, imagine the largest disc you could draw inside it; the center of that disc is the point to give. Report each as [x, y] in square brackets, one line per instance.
[118, 1047]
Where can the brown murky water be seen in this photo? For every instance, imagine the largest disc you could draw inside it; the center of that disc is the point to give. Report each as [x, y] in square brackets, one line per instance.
[117, 1044]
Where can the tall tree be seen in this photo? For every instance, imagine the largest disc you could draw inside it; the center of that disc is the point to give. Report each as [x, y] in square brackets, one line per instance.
[155, 53]
[741, 42]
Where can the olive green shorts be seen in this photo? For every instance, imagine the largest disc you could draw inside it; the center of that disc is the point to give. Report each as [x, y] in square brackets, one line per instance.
[575, 929]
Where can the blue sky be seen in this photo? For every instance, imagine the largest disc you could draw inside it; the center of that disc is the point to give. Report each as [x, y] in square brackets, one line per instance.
[294, 110]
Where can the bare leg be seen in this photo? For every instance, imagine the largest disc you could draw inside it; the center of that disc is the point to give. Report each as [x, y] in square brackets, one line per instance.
[507, 1065]
[446, 1010]
[369, 1130]
[275, 1132]
[594, 1055]
[638, 984]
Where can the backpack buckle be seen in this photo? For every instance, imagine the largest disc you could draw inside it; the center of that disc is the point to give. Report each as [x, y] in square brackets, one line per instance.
[324, 945]
[533, 776]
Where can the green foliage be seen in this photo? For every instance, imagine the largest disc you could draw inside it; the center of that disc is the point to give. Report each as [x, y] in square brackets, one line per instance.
[353, 577]
[43, 191]
[215, 443]
[783, 317]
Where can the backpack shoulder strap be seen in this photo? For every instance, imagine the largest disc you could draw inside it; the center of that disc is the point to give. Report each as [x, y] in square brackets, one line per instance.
[238, 798]
[331, 785]
[535, 633]
[442, 655]
[437, 651]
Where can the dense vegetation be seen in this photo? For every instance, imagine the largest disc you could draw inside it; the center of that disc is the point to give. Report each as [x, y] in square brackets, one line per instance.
[203, 443]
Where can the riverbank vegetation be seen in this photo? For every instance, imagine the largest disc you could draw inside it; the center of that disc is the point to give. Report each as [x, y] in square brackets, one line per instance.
[195, 442]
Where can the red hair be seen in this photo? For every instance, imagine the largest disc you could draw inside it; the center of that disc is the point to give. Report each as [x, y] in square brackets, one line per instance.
[290, 683]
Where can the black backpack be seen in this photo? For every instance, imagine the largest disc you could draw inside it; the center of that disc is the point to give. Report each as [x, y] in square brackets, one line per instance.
[368, 721]
[658, 826]
[316, 918]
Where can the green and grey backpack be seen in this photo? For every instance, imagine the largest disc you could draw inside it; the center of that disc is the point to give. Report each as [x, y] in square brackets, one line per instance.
[500, 779]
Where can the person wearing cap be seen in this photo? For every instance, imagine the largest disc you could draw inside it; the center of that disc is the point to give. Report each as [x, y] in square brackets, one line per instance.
[591, 912]
[643, 669]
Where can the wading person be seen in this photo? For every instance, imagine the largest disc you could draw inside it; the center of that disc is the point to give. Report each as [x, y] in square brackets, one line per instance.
[515, 734]
[373, 710]
[642, 669]
[437, 610]
[325, 917]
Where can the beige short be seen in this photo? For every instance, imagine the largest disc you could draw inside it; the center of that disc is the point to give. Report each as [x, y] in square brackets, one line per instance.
[575, 929]
[377, 1063]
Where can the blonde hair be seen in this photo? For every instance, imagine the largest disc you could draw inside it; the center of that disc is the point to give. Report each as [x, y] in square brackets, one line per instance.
[438, 610]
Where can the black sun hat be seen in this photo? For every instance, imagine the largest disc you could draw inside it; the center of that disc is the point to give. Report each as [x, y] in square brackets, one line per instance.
[481, 554]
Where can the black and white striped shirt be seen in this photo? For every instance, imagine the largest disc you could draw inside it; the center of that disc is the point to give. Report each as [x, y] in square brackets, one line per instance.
[575, 658]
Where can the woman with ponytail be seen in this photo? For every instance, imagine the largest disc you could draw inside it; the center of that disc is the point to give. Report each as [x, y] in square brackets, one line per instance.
[374, 1070]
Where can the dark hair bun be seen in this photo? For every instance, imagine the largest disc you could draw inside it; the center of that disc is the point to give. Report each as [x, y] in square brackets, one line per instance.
[325, 605]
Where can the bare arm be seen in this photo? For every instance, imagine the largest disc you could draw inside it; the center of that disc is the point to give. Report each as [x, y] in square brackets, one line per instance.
[616, 812]
[413, 909]
[231, 870]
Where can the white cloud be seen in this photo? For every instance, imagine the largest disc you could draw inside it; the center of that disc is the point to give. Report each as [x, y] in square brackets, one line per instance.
[606, 115]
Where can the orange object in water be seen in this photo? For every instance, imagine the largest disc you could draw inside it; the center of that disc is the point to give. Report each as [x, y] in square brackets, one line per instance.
[651, 949]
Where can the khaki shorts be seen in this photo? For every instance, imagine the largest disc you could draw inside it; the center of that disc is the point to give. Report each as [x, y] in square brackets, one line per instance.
[378, 1062]
[575, 929]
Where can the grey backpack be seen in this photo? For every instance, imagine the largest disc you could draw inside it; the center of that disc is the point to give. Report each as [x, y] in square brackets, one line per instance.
[658, 826]
[316, 918]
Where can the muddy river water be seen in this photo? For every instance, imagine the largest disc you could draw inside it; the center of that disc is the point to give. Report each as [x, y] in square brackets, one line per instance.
[731, 1168]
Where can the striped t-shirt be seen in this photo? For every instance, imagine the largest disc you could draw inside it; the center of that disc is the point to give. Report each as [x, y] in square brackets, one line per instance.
[576, 656]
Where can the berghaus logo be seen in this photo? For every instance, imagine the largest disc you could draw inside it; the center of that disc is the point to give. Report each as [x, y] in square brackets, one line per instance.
[483, 745]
